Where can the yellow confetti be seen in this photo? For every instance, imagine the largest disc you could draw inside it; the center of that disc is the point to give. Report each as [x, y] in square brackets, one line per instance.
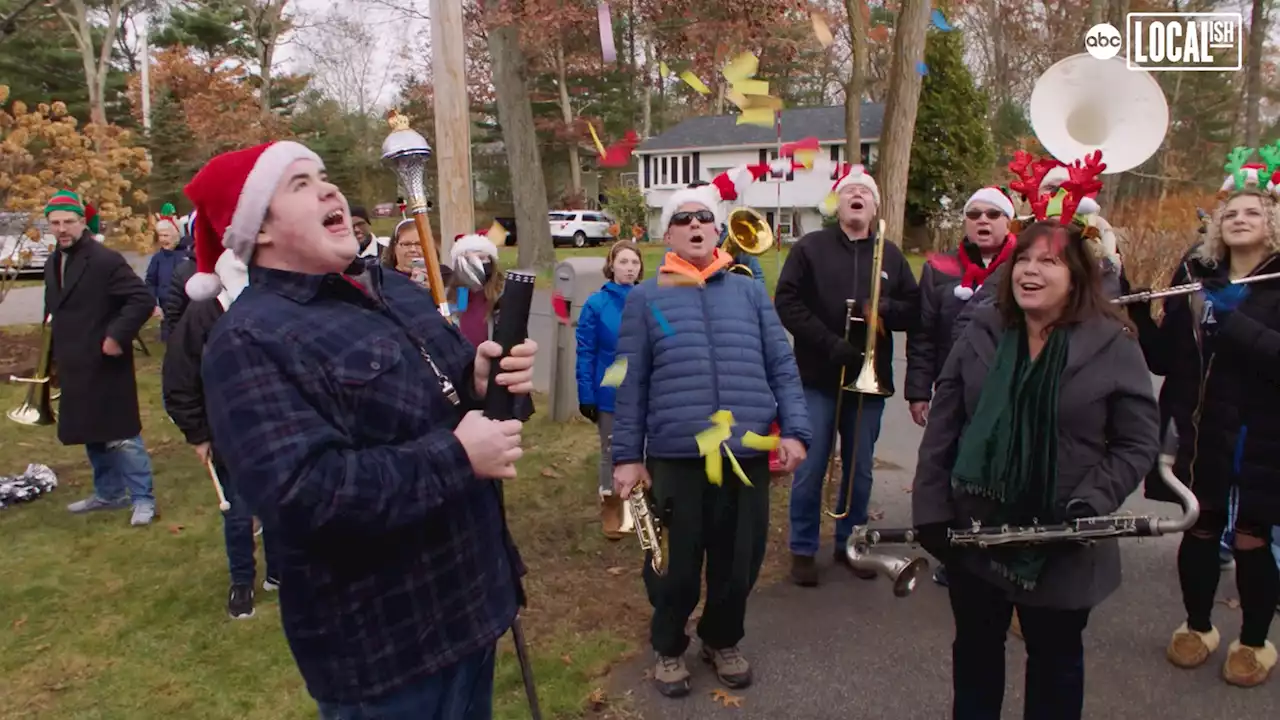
[615, 374]
[596, 139]
[756, 116]
[751, 87]
[822, 30]
[740, 68]
[829, 203]
[756, 102]
[806, 158]
[737, 98]
[497, 234]
[711, 440]
[694, 82]
[664, 70]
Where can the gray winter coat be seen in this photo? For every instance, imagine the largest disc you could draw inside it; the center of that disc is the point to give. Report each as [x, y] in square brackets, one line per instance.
[1108, 438]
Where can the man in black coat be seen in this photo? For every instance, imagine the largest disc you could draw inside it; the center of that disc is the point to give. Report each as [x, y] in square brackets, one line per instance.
[98, 304]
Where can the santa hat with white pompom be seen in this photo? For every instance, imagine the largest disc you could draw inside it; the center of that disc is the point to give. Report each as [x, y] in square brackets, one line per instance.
[231, 194]
[726, 187]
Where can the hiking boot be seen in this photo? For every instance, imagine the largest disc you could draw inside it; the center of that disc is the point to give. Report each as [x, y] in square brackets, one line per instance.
[143, 514]
[1191, 649]
[93, 503]
[611, 516]
[1248, 666]
[804, 571]
[731, 667]
[240, 602]
[671, 676]
[842, 558]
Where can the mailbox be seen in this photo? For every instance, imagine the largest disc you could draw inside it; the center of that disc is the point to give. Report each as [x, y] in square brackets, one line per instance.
[576, 278]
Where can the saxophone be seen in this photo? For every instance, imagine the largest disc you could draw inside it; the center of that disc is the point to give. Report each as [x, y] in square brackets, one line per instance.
[649, 529]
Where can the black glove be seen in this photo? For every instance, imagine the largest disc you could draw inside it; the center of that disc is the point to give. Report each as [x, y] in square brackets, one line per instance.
[933, 538]
[1077, 509]
[844, 353]
[589, 412]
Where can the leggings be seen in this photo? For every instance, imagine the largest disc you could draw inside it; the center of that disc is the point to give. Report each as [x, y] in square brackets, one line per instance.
[1257, 577]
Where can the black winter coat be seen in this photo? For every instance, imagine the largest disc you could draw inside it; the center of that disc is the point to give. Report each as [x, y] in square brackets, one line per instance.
[97, 296]
[1222, 392]
[823, 270]
[181, 383]
[175, 303]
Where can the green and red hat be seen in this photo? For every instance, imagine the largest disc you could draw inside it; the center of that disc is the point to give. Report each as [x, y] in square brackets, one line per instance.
[69, 201]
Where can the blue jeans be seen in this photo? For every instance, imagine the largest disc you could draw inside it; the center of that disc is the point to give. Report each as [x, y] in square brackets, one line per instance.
[121, 466]
[463, 691]
[237, 531]
[806, 486]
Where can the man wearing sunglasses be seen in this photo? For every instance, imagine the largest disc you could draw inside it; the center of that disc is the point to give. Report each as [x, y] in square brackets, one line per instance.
[823, 270]
[698, 341]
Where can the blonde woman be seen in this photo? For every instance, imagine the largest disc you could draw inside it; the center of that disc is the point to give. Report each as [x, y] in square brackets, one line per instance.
[1219, 352]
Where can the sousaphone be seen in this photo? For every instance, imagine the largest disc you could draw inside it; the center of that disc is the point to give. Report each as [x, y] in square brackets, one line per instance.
[1083, 104]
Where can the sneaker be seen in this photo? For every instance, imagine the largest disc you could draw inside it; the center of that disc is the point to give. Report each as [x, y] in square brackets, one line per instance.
[143, 514]
[240, 602]
[1248, 666]
[1226, 560]
[270, 584]
[804, 571]
[940, 575]
[843, 559]
[1191, 649]
[731, 667]
[93, 503]
[671, 676]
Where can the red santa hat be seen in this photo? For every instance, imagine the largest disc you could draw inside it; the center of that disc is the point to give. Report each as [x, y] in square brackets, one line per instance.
[231, 194]
[478, 242]
[856, 175]
[726, 187]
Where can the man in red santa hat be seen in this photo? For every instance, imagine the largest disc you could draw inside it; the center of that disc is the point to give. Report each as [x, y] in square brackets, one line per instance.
[345, 408]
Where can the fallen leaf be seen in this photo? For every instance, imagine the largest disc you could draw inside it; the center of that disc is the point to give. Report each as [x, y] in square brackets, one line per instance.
[597, 699]
[1233, 603]
[19, 622]
[875, 515]
[725, 699]
[550, 473]
[175, 529]
[616, 571]
[567, 659]
[907, 491]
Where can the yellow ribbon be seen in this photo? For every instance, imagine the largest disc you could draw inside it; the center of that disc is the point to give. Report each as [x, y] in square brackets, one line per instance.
[614, 375]
[596, 139]
[711, 440]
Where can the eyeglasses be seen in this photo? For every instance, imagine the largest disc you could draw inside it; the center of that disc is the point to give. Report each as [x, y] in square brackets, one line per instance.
[684, 218]
[991, 214]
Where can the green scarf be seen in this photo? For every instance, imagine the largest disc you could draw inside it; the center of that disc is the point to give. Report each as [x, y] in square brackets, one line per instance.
[1009, 451]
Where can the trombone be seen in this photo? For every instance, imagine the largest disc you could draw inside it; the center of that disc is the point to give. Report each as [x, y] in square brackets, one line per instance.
[867, 383]
[747, 233]
[38, 410]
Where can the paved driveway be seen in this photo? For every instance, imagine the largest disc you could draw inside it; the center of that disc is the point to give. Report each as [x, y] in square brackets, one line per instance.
[23, 305]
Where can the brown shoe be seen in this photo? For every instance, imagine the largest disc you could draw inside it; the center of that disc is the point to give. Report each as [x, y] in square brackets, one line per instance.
[804, 571]
[1248, 666]
[611, 516]
[731, 667]
[671, 677]
[1191, 649]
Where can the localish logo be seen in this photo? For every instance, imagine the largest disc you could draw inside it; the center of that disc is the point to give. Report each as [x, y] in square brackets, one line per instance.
[1184, 41]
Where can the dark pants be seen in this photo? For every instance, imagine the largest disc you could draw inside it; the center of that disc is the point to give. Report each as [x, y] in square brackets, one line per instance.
[237, 532]
[1055, 653]
[1257, 577]
[729, 524]
[463, 691]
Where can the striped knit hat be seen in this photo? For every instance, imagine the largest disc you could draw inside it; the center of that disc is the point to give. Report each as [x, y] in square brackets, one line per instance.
[69, 201]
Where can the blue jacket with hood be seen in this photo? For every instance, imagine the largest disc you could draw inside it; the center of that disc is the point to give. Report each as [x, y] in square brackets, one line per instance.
[597, 335]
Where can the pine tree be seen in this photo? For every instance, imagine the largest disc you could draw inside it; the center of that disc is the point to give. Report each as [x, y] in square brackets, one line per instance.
[952, 152]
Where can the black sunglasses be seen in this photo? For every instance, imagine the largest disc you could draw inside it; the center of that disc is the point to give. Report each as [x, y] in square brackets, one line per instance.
[992, 214]
[684, 218]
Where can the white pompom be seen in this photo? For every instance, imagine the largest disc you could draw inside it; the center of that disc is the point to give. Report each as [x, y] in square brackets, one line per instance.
[1087, 206]
[964, 293]
[203, 286]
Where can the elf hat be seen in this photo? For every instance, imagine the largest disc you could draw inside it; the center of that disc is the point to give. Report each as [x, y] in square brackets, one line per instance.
[991, 196]
[168, 215]
[856, 175]
[69, 201]
[231, 194]
[726, 187]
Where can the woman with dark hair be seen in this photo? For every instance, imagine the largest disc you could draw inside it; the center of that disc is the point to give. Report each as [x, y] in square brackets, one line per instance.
[1219, 352]
[1025, 428]
[403, 253]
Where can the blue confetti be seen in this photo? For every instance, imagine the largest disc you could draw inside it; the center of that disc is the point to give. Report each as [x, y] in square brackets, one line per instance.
[462, 299]
[662, 321]
[940, 21]
[922, 68]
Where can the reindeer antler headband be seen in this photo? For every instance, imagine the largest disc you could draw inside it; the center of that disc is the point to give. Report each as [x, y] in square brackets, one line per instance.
[1242, 174]
[1082, 181]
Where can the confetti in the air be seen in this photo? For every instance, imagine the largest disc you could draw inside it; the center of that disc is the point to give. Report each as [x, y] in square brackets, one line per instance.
[596, 139]
[616, 373]
[619, 153]
[922, 68]
[664, 69]
[762, 116]
[561, 307]
[713, 439]
[694, 82]
[740, 68]
[606, 33]
[940, 21]
[497, 234]
[752, 87]
[822, 30]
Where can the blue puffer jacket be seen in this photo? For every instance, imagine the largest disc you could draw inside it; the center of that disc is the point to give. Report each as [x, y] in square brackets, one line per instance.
[598, 343]
[692, 351]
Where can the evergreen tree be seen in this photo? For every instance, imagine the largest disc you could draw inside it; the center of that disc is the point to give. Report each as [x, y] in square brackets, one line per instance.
[952, 152]
[40, 63]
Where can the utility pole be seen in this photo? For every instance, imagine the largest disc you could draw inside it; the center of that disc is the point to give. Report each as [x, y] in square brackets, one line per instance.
[453, 123]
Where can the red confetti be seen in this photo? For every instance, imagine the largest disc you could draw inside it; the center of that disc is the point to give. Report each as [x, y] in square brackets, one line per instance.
[619, 153]
[561, 307]
[944, 263]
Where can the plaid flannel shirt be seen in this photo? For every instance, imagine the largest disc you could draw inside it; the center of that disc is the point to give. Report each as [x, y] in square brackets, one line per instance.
[396, 560]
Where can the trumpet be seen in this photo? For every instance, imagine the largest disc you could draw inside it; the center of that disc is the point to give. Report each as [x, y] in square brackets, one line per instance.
[649, 529]
[38, 410]
[747, 233]
[868, 381]
[1187, 289]
[905, 572]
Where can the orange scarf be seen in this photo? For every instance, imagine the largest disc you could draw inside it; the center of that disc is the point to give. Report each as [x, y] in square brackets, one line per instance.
[676, 270]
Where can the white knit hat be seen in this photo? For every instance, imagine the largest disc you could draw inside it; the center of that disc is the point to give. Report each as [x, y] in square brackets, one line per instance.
[991, 196]
[857, 175]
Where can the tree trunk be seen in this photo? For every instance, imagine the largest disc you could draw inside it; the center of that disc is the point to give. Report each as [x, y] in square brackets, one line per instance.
[900, 112]
[515, 114]
[646, 85]
[1098, 13]
[1253, 74]
[95, 68]
[857, 82]
[267, 20]
[566, 109]
[1002, 82]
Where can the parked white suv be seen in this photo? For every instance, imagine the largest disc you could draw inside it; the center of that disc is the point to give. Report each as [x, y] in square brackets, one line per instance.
[579, 227]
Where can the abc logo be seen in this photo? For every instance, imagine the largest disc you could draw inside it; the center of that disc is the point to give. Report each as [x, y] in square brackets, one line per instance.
[1103, 41]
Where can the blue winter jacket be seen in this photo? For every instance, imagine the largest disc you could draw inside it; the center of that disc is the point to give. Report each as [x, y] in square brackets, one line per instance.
[692, 351]
[598, 343]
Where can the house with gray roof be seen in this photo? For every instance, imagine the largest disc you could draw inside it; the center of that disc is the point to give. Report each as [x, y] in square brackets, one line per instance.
[702, 147]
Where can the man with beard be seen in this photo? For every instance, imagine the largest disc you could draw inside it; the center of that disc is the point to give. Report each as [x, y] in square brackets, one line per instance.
[98, 305]
[346, 409]
[825, 269]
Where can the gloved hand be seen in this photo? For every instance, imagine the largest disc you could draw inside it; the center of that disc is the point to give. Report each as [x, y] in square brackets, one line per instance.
[933, 538]
[589, 412]
[1226, 297]
[1078, 509]
[844, 353]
